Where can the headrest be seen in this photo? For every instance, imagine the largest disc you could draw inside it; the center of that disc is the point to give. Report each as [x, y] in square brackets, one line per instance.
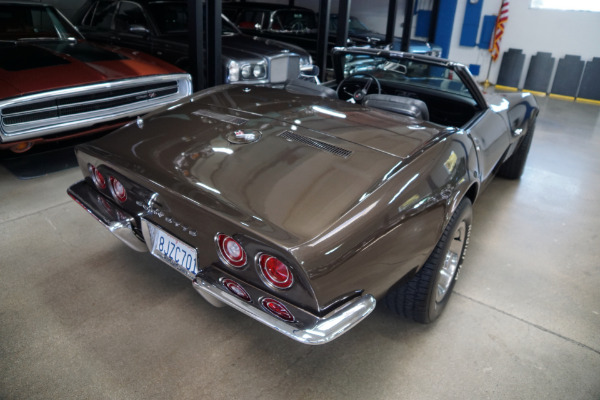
[300, 86]
[402, 105]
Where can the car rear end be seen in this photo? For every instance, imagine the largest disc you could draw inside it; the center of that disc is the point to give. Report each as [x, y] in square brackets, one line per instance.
[227, 262]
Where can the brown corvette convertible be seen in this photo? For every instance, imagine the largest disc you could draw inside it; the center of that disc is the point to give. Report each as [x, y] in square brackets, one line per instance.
[302, 207]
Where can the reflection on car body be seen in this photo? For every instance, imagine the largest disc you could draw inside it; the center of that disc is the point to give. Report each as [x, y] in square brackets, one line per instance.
[335, 200]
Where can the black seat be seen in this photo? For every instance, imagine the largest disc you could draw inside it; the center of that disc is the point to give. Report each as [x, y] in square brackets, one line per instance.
[300, 86]
[402, 105]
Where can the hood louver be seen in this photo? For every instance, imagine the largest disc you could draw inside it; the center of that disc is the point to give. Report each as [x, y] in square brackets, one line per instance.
[317, 144]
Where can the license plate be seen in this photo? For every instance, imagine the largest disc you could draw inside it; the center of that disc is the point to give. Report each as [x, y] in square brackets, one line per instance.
[173, 251]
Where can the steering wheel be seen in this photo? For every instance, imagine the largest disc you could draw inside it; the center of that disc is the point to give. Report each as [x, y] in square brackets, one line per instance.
[355, 87]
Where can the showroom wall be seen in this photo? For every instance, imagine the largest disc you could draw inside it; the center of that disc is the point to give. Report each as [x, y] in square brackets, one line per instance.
[532, 30]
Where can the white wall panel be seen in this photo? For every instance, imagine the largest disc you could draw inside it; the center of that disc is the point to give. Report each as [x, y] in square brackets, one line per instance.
[533, 30]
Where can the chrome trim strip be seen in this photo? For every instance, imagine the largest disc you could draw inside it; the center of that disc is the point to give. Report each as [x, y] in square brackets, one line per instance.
[27, 130]
[231, 119]
[107, 213]
[324, 330]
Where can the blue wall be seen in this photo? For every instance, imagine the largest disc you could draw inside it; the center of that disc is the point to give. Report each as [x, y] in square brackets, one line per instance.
[445, 23]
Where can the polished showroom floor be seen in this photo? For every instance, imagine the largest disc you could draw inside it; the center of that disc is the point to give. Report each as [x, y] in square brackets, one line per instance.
[84, 317]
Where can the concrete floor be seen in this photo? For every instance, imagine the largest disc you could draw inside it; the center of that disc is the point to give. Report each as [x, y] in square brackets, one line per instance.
[84, 317]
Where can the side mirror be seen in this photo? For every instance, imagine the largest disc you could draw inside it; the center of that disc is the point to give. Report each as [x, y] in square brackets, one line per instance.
[310, 73]
[309, 70]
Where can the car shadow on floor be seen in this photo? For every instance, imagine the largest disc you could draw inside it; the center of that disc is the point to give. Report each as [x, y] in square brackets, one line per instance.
[39, 163]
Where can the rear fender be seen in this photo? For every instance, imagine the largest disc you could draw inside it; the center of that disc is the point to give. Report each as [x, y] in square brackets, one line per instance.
[522, 109]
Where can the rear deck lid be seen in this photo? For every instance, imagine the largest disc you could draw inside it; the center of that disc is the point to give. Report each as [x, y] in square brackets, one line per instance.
[252, 159]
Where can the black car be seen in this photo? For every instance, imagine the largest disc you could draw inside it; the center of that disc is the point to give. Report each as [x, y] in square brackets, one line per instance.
[295, 25]
[359, 32]
[299, 26]
[160, 28]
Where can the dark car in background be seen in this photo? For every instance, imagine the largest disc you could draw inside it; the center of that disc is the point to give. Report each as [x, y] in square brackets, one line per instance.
[160, 28]
[296, 25]
[357, 31]
[299, 26]
[55, 85]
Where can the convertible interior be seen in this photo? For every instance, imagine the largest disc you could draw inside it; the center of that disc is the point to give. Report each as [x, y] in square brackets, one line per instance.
[444, 108]
[426, 92]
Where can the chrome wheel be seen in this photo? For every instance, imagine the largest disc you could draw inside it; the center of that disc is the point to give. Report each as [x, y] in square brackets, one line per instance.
[451, 261]
[424, 297]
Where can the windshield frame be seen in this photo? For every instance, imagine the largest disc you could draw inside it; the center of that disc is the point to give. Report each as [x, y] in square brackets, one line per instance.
[228, 28]
[274, 20]
[62, 27]
[459, 69]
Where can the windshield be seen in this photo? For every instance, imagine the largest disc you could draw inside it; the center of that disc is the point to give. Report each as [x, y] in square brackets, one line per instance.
[294, 20]
[171, 17]
[26, 22]
[355, 27]
[403, 73]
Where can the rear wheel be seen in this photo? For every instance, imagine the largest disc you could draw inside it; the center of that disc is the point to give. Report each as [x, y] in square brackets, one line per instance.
[425, 296]
[513, 167]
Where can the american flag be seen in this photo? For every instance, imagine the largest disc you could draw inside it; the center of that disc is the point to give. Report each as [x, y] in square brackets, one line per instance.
[499, 30]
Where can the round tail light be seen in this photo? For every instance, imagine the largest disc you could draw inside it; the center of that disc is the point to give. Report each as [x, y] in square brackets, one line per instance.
[275, 272]
[231, 251]
[236, 289]
[278, 309]
[117, 189]
[97, 177]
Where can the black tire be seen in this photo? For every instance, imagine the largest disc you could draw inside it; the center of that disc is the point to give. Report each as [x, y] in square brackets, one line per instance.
[513, 167]
[422, 298]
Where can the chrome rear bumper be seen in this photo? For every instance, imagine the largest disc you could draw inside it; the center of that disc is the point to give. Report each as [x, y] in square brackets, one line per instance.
[311, 329]
[105, 212]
